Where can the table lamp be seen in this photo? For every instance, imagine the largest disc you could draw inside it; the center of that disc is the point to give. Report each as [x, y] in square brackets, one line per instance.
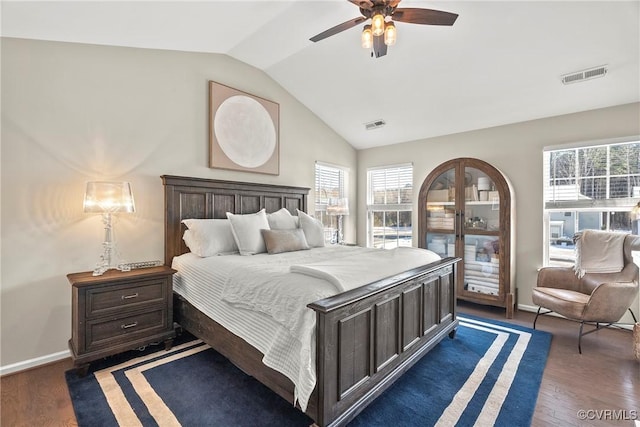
[338, 206]
[107, 198]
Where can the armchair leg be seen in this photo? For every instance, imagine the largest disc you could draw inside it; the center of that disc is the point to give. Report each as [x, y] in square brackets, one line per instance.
[536, 319]
[580, 338]
[633, 315]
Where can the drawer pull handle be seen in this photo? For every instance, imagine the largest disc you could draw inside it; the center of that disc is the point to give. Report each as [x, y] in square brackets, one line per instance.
[130, 296]
[130, 325]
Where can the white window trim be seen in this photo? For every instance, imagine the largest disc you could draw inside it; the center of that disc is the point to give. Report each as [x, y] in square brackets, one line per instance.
[386, 207]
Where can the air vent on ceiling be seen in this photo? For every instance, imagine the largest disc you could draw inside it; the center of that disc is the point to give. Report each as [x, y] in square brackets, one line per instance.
[580, 76]
[374, 124]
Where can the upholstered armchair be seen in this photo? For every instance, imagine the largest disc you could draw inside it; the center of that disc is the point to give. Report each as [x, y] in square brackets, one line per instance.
[600, 299]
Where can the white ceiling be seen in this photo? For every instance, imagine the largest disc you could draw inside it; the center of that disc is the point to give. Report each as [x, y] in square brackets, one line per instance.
[500, 63]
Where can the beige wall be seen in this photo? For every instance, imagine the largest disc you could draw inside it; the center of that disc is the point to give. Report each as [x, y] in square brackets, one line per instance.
[516, 150]
[72, 113]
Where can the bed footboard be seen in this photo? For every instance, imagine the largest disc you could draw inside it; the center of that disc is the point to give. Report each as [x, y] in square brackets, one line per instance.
[368, 337]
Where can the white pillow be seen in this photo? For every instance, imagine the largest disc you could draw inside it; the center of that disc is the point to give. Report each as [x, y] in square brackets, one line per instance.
[246, 231]
[209, 237]
[313, 229]
[281, 220]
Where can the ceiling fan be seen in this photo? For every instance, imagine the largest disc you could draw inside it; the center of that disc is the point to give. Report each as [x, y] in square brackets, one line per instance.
[382, 33]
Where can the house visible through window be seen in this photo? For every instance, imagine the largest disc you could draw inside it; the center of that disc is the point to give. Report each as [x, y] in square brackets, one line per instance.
[330, 184]
[590, 187]
[389, 206]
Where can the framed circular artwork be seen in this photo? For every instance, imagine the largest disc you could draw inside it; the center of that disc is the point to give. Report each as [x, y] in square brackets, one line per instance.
[243, 131]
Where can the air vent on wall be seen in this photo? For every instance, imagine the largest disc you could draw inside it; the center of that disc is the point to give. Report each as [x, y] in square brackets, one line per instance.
[374, 124]
[581, 76]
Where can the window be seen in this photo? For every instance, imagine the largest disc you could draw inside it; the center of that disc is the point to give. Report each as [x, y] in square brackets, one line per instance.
[330, 183]
[389, 206]
[592, 187]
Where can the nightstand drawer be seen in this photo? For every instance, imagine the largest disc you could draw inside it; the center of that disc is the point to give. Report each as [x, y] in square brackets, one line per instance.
[102, 333]
[105, 300]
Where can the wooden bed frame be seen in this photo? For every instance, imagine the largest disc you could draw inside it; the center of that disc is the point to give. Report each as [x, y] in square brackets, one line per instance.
[365, 338]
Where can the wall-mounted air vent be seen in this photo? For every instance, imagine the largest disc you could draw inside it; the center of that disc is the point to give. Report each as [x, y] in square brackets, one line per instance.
[374, 124]
[581, 76]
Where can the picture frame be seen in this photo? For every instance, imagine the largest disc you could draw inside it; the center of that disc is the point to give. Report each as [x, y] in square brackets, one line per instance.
[243, 131]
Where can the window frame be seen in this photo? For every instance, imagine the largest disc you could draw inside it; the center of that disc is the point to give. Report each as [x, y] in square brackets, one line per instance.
[320, 203]
[606, 207]
[398, 207]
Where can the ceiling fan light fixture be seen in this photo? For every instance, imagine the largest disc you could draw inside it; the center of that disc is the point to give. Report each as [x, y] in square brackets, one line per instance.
[367, 37]
[379, 35]
[377, 24]
[390, 34]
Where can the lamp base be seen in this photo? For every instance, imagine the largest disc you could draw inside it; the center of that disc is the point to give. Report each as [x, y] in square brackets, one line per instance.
[99, 270]
[107, 247]
[339, 237]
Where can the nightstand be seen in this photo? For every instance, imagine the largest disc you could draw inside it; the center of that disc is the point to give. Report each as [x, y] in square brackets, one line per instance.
[119, 311]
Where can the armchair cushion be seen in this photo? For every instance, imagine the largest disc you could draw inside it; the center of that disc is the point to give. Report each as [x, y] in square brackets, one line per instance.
[569, 303]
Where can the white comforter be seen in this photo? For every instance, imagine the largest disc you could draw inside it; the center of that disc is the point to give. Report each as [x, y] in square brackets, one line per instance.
[260, 299]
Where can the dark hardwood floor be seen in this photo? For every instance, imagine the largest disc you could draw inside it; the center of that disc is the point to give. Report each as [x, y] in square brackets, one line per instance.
[606, 377]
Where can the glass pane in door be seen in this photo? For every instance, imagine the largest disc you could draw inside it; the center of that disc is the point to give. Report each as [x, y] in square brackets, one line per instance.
[482, 202]
[441, 215]
[481, 233]
[481, 264]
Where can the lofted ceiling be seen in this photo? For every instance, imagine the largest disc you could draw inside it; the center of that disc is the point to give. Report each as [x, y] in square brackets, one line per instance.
[500, 63]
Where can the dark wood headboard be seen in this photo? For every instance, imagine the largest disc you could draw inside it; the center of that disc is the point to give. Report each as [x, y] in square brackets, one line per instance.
[186, 198]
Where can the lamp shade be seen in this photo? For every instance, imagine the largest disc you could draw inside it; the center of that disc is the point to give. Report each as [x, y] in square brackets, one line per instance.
[108, 197]
[338, 206]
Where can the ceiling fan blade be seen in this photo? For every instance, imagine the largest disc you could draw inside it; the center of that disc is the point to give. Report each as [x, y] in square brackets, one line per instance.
[379, 48]
[338, 28]
[424, 16]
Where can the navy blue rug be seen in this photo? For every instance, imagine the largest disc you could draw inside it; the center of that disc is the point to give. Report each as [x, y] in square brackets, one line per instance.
[489, 374]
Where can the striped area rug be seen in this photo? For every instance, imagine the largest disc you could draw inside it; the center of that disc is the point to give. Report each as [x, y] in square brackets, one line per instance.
[489, 374]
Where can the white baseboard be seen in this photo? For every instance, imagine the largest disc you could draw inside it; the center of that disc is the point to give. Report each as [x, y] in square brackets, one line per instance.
[532, 308]
[32, 363]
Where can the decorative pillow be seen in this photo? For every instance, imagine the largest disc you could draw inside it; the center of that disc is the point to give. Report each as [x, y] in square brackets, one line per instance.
[278, 241]
[246, 231]
[281, 220]
[313, 229]
[209, 237]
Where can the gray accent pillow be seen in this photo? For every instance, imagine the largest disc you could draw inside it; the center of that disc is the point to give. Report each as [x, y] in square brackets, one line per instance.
[278, 241]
